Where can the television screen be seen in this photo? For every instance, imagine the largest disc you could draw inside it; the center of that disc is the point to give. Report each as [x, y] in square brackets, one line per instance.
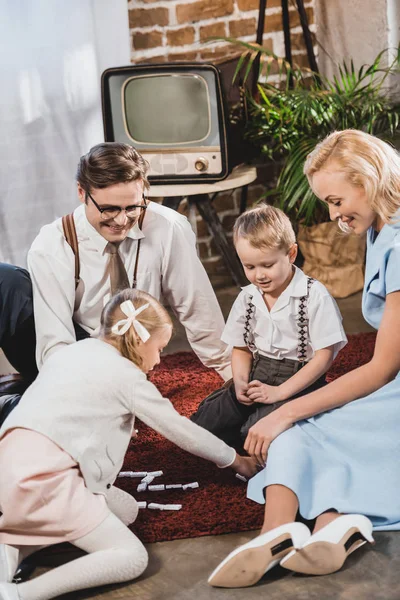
[179, 105]
[173, 114]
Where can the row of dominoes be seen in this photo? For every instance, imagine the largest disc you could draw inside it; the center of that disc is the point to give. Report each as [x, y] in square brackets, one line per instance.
[146, 479]
[148, 476]
[145, 484]
[155, 506]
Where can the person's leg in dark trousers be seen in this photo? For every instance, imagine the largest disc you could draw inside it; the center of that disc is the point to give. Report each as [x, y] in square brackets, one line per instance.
[17, 326]
[222, 414]
[17, 334]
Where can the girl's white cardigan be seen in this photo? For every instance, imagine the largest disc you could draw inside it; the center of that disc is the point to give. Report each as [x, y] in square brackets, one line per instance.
[85, 399]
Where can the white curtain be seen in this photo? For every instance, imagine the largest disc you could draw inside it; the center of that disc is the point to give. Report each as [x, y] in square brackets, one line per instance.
[52, 54]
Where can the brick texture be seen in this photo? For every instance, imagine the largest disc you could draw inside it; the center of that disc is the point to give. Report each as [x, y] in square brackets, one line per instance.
[148, 17]
[204, 9]
[246, 5]
[180, 37]
[297, 41]
[141, 41]
[224, 201]
[152, 59]
[301, 61]
[274, 22]
[214, 30]
[214, 54]
[243, 27]
[215, 266]
[185, 56]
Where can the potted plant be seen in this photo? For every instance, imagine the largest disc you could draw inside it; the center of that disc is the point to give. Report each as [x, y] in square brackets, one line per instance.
[285, 121]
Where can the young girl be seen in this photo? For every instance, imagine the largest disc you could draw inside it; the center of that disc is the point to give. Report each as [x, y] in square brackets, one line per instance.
[62, 448]
[285, 329]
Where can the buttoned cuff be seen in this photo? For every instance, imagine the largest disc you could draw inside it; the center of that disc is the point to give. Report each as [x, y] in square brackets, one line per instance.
[230, 463]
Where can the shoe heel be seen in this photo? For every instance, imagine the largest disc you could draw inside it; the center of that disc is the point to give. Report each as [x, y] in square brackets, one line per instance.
[364, 526]
[299, 534]
[367, 534]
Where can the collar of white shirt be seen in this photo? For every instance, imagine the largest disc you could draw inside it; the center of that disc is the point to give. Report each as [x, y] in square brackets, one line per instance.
[296, 288]
[86, 232]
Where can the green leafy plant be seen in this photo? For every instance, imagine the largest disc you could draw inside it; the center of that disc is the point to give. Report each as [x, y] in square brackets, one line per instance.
[287, 119]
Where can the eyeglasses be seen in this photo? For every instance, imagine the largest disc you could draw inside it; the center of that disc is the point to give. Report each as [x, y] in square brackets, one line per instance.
[111, 212]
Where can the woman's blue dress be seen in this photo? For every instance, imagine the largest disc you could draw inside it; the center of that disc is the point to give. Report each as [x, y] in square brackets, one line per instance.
[348, 458]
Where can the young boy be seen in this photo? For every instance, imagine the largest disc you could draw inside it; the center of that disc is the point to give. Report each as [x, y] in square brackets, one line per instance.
[285, 329]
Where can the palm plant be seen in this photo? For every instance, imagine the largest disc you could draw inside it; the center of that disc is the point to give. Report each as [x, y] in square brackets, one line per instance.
[285, 121]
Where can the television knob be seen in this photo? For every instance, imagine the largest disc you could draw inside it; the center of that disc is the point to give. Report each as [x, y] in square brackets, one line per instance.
[201, 164]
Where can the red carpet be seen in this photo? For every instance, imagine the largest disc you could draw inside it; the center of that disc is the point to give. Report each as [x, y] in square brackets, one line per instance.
[219, 505]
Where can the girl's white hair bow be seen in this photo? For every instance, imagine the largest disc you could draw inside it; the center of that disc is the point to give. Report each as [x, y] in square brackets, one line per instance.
[131, 312]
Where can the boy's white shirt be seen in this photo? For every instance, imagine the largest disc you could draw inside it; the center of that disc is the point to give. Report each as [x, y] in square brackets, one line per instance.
[168, 267]
[85, 399]
[275, 332]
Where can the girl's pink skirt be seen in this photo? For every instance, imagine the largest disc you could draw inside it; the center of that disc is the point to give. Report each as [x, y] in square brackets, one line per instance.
[43, 496]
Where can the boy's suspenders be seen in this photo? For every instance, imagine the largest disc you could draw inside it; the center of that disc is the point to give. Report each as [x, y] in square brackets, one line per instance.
[302, 325]
[69, 229]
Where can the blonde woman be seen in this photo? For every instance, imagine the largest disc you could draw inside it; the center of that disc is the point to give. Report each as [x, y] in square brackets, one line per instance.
[334, 454]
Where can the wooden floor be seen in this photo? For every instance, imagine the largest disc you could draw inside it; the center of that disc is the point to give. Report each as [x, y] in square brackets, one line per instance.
[178, 570]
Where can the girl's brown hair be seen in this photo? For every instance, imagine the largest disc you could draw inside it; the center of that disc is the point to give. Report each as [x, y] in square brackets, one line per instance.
[265, 227]
[110, 163]
[152, 318]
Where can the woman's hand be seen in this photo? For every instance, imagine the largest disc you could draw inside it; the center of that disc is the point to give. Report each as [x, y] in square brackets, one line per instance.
[263, 433]
[245, 465]
[264, 393]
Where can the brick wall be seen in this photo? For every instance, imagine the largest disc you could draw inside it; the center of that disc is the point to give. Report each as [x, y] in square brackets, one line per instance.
[175, 30]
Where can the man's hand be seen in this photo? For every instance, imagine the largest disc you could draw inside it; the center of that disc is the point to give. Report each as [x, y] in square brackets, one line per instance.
[241, 388]
[264, 393]
[245, 465]
[263, 433]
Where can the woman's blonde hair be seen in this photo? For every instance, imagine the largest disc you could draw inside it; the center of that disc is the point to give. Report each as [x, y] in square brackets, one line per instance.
[152, 318]
[367, 162]
[265, 227]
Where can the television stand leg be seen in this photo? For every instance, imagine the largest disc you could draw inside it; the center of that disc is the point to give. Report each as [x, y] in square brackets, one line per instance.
[172, 202]
[243, 199]
[215, 228]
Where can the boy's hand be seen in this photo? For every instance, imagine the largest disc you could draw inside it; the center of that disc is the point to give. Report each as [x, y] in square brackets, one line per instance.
[241, 388]
[264, 393]
[245, 465]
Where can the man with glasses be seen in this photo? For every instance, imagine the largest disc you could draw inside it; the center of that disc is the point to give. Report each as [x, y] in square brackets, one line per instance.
[123, 240]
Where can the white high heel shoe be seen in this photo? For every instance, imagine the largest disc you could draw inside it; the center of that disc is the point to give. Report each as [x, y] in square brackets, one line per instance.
[248, 563]
[8, 562]
[8, 591]
[326, 551]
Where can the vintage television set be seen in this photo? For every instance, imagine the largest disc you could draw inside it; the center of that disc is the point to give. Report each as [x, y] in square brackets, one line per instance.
[174, 115]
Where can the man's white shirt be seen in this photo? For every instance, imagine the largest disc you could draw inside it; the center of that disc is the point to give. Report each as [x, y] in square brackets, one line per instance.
[168, 268]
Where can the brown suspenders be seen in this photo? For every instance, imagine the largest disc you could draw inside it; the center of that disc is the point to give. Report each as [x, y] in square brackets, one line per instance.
[68, 224]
